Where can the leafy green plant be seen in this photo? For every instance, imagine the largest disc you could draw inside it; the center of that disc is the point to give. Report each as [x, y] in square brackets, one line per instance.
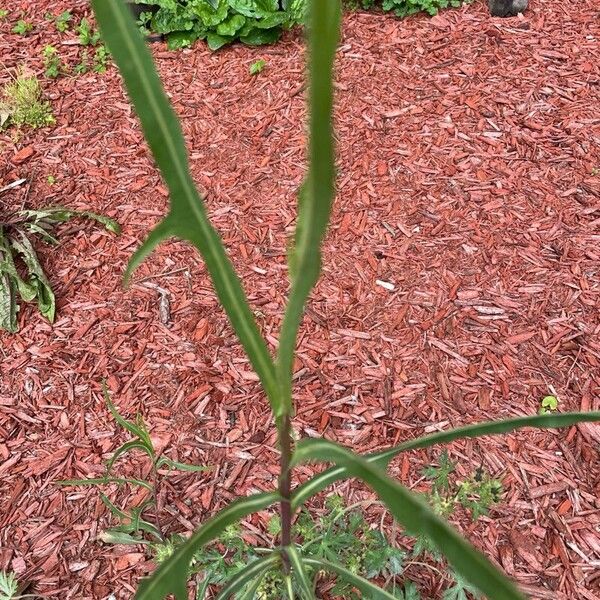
[87, 35]
[220, 22]
[257, 67]
[187, 220]
[23, 104]
[17, 256]
[548, 404]
[3, 14]
[404, 8]
[8, 585]
[101, 56]
[22, 27]
[133, 528]
[52, 65]
[84, 63]
[63, 20]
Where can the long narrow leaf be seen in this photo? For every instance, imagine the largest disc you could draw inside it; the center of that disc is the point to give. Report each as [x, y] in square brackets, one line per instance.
[127, 447]
[171, 575]
[137, 429]
[413, 513]
[255, 569]
[8, 299]
[250, 592]
[382, 459]
[300, 574]
[368, 589]
[187, 218]
[317, 193]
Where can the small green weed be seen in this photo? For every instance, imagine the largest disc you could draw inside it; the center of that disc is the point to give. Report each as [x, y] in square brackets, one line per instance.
[16, 247]
[257, 67]
[87, 35]
[8, 585]
[3, 14]
[101, 56]
[63, 20]
[548, 405]
[22, 27]
[23, 103]
[50, 180]
[404, 8]
[52, 65]
[84, 64]
[133, 528]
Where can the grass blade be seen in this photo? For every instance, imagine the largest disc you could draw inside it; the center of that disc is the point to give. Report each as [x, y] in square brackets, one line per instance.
[300, 574]
[137, 429]
[413, 513]
[171, 575]
[368, 589]
[317, 193]
[187, 218]
[179, 466]
[382, 459]
[256, 568]
[127, 447]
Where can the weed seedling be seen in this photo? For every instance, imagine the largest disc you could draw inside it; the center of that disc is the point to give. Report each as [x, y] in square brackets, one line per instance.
[52, 65]
[257, 67]
[23, 103]
[101, 56]
[8, 585]
[62, 21]
[50, 180]
[84, 64]
[22, 27]
[87, 36]
[3, 14]
[133, 529]
[548, 404]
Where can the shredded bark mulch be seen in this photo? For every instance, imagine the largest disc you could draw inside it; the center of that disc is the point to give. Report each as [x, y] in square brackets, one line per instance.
[461, 284]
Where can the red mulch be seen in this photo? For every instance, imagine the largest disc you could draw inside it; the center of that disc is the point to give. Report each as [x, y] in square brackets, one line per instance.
[469, 149]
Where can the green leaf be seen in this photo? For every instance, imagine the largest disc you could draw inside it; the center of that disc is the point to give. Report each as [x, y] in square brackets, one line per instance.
[114, 536]
[250, 592]
[257, 568]
[369, 590]
[411, 511]
[8, 585]
[173, 464]
[27, 291]
[187, 218]
[259, 37]
[127, 447]
[106, 481]
[257, 67]
[171, 575]
[324, 20]
[299, 572]
[216, 41]
[382, 459]
[44, 294]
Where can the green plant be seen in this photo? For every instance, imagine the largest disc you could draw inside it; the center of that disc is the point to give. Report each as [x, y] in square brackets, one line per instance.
[133, 528]
[87, 35]
[62, 21]
[8, 585]
[257, 67]
[83, 65]
[187, 219]
[548, 404]
[101, 56]
[220, 22]
[50, 180]
[404, 8]
[3, 14]
[17, 255]
[22, 27]
[52, 65]
[23, 104]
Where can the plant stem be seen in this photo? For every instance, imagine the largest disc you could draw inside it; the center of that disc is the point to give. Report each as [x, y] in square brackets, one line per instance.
[285, 443]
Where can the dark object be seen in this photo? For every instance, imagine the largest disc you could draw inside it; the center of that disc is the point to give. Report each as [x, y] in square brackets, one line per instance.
[137, 9]
[507, 8]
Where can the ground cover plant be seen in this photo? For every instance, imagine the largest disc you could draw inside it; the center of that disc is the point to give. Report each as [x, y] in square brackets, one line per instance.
[22, 103]
[404, 8]
[187, 220]
[21, 274]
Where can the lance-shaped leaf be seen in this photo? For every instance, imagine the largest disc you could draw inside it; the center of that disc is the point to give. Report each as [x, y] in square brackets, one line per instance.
[171, 575]
[414, 514]
[300, 575]
[44, 294]
[8, 297]
[187, 218]
[316, 196]
[382, 459]
[368, 589]
[254, 570]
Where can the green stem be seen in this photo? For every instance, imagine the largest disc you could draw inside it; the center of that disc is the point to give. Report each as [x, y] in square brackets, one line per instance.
[285, 491]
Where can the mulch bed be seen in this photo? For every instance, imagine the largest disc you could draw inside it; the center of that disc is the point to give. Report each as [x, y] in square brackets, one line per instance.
[468, 179]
